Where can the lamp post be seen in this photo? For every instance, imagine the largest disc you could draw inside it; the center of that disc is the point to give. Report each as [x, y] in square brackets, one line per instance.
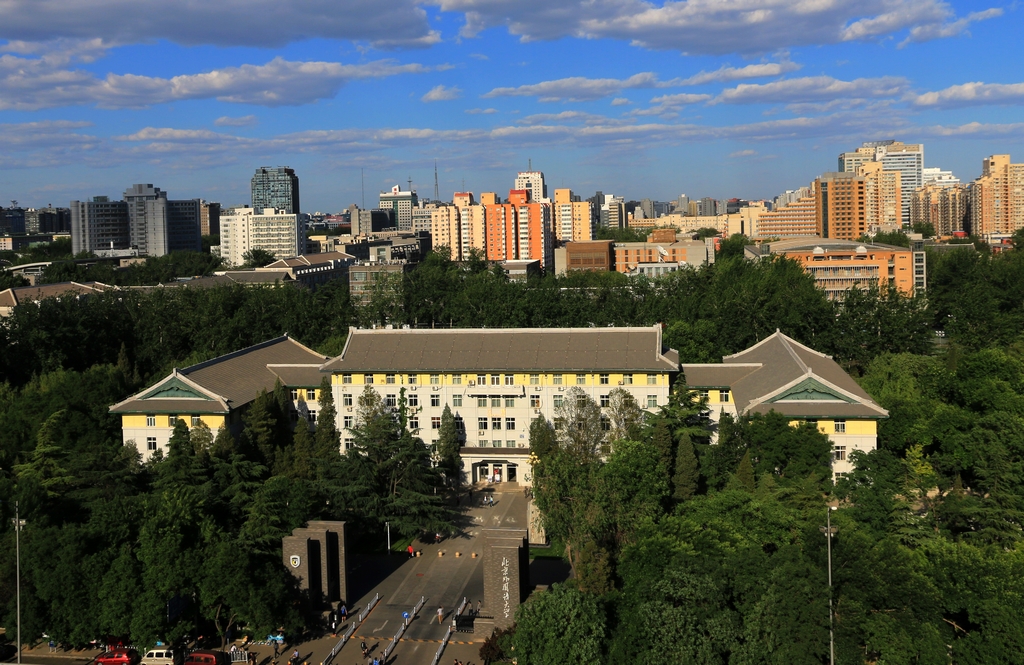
[829, 530]
[18, 524]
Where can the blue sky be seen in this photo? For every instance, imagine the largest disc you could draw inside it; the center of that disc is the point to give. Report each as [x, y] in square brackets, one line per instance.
[642, 99]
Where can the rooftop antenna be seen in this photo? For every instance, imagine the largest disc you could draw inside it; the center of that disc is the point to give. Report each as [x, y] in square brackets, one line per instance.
[410, 183]
[436, 196]
[530, 164]
[362, 186]
[463, 184]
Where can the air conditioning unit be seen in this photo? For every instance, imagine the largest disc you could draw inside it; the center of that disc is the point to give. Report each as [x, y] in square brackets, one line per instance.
[536, 389]
[413, 387]
[482, 432]
[472, 383]
[536, 410]
[435, 387]
[620, 383]
[561, 388]
[349, 409]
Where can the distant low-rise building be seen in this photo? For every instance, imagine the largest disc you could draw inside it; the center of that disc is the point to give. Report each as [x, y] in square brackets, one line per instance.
[11, 298]
[840, 265]
[630, 256]
[594, 255]
[314, 269]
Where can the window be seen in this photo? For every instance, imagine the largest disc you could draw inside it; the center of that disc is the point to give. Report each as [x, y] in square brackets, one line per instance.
[535, 379]
[627, 379]
[510, 379]
[481, 402]
[460, 424]
[482, 443]
[495, 423]
[724, 395]
[604, 379]
[410, 379]
[496, 444]
[652, 379]
[456, 400]
[510, 423]
[556, 379]
[481, 379]
[435, 422]
[839, 454]
[840, 475]
[312, 416]
[581, 379]
[172, 421]
[196, 420]
[390, 400]
[606, 423]
[295, 395]
[496, 402]
[559, 423]
[510, 402]
[414, 423]
[605, 401]
[703, 394]
[652, 401]
[435, 379]
[534, 401]
[346, 400]
[346, 378]
[840, 427]
[389, 378]
[435, 400]
[510, 444]
[150, 421]
[368, 379]
[456, 379]
[350, 444]
[558, 401]
[348, 422]
[495, 379]
[581, 401]
[150, 443]
[481, 423]
[310, 394]
[414, 400]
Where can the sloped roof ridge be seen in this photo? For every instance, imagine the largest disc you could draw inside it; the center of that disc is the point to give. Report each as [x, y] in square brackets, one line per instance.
[507, 330]
[175, 374]
[234, 354]
[778, 334]
[763, 399]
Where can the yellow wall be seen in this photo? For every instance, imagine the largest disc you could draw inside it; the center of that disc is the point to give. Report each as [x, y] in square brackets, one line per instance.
[856, 427]
[521, 379]
[213, 421]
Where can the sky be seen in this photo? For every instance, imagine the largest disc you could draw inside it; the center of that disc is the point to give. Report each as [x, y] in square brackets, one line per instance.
[721, 98]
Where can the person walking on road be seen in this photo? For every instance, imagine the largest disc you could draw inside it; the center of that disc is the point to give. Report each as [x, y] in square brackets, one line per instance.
[412, 552]
[440, 614]
[366, 652]
[478, 607]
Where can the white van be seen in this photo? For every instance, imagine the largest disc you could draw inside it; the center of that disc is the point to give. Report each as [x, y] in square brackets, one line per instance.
[160, 657]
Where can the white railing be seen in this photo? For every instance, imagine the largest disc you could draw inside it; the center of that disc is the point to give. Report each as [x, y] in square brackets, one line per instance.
[419, 605]
[440, 649]
[337, 647]
[369, 606]
[462, 606]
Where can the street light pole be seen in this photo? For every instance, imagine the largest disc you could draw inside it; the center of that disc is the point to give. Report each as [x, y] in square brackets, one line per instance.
[18, 523]
[829, 530]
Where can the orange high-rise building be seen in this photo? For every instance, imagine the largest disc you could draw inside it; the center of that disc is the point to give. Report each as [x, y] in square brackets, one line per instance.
[519, 229]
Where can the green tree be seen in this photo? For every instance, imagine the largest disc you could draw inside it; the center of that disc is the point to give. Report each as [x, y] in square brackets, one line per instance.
[625, 415]
[561, 626]
[543, 440]
[578, 427]
[745, 472]
[328, 439]
[448, 445]
[257, 258]
[687, 473]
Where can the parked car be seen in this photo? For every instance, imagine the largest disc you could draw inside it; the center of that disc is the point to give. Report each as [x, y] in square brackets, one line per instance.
[118, 656]
[161, 656]
[207, 657]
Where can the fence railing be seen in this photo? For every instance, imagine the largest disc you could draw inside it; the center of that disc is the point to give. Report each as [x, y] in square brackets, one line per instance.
[440, 649]
[462, 607]
[350, 630]
[369, 606]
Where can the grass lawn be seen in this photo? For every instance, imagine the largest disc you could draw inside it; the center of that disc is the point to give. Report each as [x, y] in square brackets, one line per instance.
[554, 550]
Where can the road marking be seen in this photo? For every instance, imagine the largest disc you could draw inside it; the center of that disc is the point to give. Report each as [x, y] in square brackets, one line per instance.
[381, 626]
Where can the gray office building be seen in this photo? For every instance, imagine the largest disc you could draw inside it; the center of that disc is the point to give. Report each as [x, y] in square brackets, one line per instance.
[276, 187]
[159, 226]
[99, 224]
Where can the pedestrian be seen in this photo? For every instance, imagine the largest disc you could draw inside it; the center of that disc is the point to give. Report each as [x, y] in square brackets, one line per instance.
[334, 624]
[437, 537]
[412, 552]
[366, 652]
[344, 613]
[440, 614]
[252, 658]
[478, 607]
[277, 649]
[296, 657]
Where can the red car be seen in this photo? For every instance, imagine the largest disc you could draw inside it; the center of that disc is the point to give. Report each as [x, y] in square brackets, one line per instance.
[119, 657]
[206, 657]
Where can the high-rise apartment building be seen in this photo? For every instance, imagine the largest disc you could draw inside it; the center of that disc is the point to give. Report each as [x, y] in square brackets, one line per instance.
[100, 224]
[519, 230]
[533, 182]
[946, 208]
[47, 220]
[573, 218]
[159, 226]
[883, 197]
[209, 220]
[276, 187]
[907, 158]
[997, 197]
[245, 229]
[841, 213]
[936, 176]
[709, 207]
[613, 212]
[401, 204]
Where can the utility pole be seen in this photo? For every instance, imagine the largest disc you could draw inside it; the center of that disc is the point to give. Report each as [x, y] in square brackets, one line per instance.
[436, 196]
[410, 183]
[18, 524]
[829, 530]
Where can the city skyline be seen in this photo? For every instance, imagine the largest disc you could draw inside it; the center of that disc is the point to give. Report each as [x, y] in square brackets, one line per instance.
[748, 100]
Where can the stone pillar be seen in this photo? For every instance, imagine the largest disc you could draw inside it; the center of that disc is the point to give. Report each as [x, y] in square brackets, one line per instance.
[316, 556]
[506, 573]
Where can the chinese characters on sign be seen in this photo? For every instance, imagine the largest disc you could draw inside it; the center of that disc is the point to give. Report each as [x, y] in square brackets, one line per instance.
[504, 586]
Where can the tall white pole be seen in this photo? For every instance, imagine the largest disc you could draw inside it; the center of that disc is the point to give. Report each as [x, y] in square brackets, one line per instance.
[17, 547]
[388, 525]
[831, 635]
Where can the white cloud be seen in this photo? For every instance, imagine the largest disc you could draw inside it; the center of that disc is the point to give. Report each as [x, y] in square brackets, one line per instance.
[34, 83]
[440, 94]
[971, 94]
[621, 101]
[812, 89]
[228, 121]
[580, 88]
[726, 73]
[668, 106]
[931, 31]
[743, 153]
[715, 26]
[566, 117]
[479, 56]
[974, 130]
[260, 23]
[481, 111]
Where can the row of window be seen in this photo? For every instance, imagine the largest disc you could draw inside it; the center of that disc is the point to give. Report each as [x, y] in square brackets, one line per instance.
[171, 421]
[496, 402]
[504, 379]
[310, 394]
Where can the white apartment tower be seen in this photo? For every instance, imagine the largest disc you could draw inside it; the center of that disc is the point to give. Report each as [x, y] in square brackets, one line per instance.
[533, 182]
[402, 203]
[272, 230]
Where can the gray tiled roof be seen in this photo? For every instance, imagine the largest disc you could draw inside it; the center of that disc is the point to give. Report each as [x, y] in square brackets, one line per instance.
[507, 350]
[756, 374]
